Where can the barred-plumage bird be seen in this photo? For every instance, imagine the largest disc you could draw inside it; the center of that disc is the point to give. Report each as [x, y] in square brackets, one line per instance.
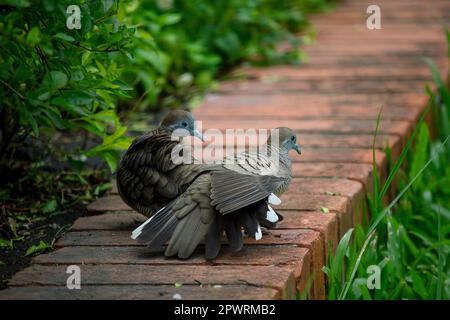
[147, 178]
[223, 197]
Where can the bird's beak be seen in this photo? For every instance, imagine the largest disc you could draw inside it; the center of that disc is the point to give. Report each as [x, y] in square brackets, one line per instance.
[298, 149]
[198, 134]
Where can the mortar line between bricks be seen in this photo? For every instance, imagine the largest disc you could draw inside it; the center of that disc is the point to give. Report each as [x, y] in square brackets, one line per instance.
[299, 93]
[333, 79]
[106, 230]
[288, 263]
[200, 245]
[156, 285]
[309, 210]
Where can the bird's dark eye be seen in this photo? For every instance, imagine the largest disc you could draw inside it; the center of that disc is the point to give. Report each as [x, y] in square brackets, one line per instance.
[292, 138]
[184, 124]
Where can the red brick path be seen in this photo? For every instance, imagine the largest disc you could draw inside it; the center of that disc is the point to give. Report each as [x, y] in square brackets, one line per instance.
[332, 101]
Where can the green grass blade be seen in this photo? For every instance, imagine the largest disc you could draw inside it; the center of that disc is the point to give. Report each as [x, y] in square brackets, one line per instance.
[406, 188]
[443, 92]
[447, 33]
[376, 178]
[355, 268]
[341, 250]
[381, 216]
[441, 275]
[402, 156]
[420, 153]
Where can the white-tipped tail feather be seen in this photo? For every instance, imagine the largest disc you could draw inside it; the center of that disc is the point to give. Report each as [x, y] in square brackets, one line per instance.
[273, 199]
[271, 215]
[137, 232]
[258, 234]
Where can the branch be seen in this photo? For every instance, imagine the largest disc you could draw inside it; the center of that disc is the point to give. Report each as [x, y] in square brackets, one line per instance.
[93, 50]
[13, 90]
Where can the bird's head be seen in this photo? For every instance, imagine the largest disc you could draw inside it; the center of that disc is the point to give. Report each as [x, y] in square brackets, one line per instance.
[287, 139]
[180, 119]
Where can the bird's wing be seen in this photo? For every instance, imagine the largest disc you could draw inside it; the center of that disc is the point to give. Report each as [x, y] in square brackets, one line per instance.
[143, 178]
[184, 222]
[254, 163]
[247, 181]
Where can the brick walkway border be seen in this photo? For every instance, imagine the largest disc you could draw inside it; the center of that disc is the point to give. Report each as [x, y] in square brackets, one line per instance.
[332, 102]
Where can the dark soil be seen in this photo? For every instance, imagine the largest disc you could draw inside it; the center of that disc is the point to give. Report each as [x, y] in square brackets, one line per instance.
[15, 259]
[24, 188]
[19, 192]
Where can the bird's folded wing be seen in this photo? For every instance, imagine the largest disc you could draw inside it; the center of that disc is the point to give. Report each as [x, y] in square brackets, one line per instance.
[150, 150]
[254, 163]
[231, 190]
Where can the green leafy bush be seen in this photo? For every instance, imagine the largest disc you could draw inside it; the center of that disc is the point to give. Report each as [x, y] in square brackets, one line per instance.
[182, 45]
[55, 78]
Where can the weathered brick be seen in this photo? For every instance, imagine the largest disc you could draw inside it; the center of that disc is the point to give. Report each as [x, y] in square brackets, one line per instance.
[311, 73]
[375, 100]
[288, 255]
[397, 127]
[114, 188]
[122, 220]
[355, 171]
[325, 86]
[279, 278]
[307, 111]
[306, 238]
[313, 140]
[108, 203]
[139, 292]
[325, 223]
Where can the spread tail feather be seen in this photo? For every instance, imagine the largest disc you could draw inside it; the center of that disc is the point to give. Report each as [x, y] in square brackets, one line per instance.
[157, 229]
[137, 232]
[267, 217]
[214, 238]
[187, 235]
[273, 199]
[234, 234]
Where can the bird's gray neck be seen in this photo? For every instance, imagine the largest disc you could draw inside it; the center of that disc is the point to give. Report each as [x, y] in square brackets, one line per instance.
[281, 155]
[281, 152]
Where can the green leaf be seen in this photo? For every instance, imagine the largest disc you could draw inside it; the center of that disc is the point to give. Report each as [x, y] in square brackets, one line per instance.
[421, 153]
[120, 131]
[111, 158]
[169, 19]
[63, 36]
[37, 249]
[445, 95]
[72, 108]
[447, 34]
[78, 98]
[16, 3]
[55, 80]
[375, 177]
[27, 118]
[106, 116]
[34, 36]
[50, 206]
[5, 244]
[85, 57]
[325, 210]
[338, 258]
[401, 158]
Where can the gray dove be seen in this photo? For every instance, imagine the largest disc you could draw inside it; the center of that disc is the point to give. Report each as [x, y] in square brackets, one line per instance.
[229, 196]
[146, 177]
